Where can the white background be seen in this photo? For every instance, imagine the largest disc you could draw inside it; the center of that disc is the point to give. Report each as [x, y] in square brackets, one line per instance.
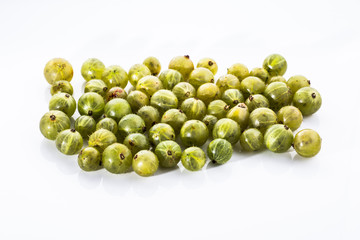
[44, 194]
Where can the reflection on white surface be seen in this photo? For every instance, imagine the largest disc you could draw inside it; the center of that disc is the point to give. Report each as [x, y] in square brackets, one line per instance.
[116, 185]
[306, 167]
[90, 180]
[276, 163]
[193, 180]
[168, 179]
[66, 164]
[219, 174]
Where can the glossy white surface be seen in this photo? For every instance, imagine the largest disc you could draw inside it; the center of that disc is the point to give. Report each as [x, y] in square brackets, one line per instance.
[44, 194]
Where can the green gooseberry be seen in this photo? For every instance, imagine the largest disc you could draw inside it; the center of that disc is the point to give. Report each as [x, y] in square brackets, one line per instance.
[149, 85]
[275, 64]
[145, 163]
[69, 142]
[290, 116]
[92, 68]
[175, 118]
[108, 124]
[252, 85]
[278, 94]
[184, 90]
[208, 92]
[260, 73]
[228, 81]
[58, 69]
[208, 63]
[153, 65]
[61, 86]
[276, 79]
[137, 72]
[199, 76]
[97, 86]
[137, 100]
[278, 138]
[101, 139]
[257, 101]
[117, 108]
[137, 142]
[131, 123]
[219, 151]
[238, 70]
[150, 115]
[232, 97]
[240, 114]
[210, 121]
[262, 118]
[115, 92]
[218, 108]
[182, 64]
[53, 122]
[164, 100]
[115, 76]
[89, 159]
[307, 143]
[251, 140]
[193, 158]
[307, 100]
[168, 153]
[193, 108]
[194, 133]
[161, 132]
[91, 104]
[117, 158]
[227, 129]
[85, 125]
[63, 102]
[296, 82]
[170, 78]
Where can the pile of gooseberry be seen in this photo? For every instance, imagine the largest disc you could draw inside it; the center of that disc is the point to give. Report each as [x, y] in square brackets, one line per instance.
[166, 117]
